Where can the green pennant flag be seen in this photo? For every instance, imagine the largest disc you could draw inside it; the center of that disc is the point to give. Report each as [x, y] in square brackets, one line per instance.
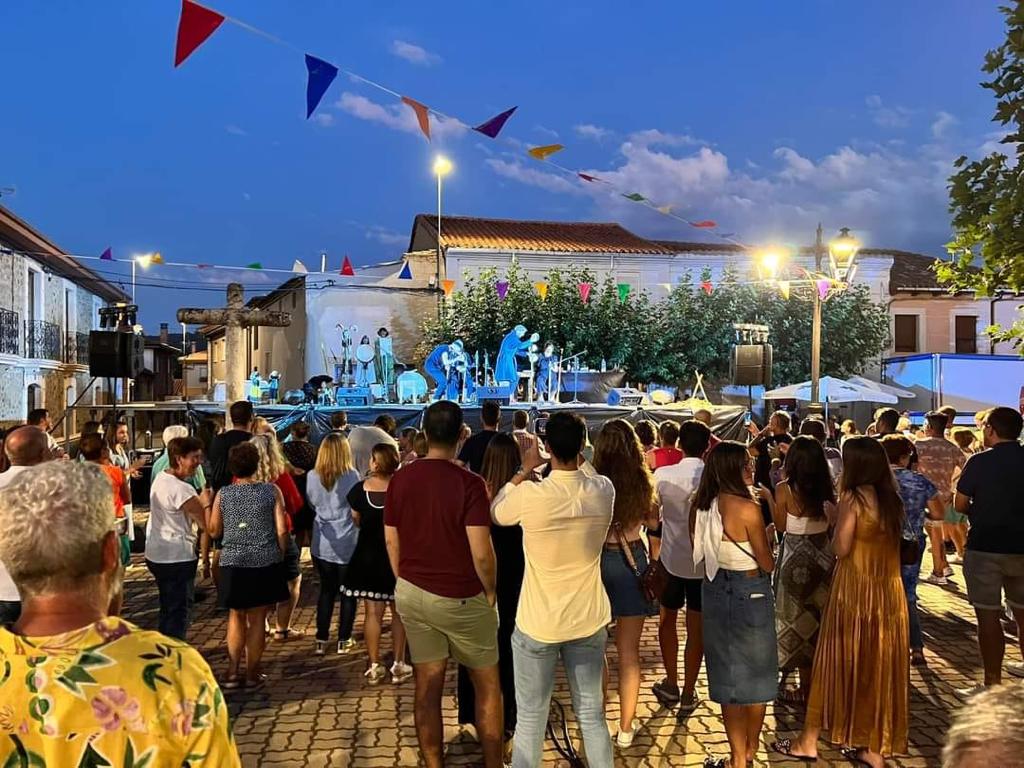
[623, 291]
[636, 197]
[254, 265]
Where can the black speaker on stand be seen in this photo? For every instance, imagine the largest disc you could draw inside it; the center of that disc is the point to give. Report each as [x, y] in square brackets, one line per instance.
[116, 354]
[751, 362]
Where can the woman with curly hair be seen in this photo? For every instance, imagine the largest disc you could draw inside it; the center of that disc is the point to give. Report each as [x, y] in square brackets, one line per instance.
[619, 456]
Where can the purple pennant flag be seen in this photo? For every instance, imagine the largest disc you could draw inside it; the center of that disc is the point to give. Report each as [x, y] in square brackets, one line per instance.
[823, 288]
[321, 75]
[502, 288]
[492, 127]
[107, 255]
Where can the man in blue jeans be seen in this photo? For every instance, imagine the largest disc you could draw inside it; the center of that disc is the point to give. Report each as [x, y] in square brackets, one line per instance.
[563, 607]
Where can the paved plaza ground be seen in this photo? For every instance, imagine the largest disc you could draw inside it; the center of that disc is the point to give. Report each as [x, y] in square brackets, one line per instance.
[320, 711]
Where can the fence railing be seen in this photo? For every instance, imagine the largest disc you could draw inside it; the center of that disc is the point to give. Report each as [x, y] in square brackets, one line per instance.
[43, 341]
[76, 349]
[10, 332]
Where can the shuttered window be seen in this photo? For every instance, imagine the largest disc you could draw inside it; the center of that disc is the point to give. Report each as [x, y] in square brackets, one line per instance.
[966, 341]
[906, 333]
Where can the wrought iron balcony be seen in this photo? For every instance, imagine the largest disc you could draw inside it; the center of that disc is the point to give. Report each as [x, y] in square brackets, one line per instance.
[10, 332]
[43, 341]
[76, 349]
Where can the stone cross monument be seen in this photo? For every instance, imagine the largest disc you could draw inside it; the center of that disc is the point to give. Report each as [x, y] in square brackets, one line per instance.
[234, 318]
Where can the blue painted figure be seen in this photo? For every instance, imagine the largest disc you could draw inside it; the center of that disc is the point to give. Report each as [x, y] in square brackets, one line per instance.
[437, 366]
[547, 366]
[505, 368]
[275, 383]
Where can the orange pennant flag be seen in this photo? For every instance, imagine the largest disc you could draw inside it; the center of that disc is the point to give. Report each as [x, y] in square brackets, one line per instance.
[448, 286]
[784, 288]
[422, 114]
[542, 289]
[157, 259]
[665, 209]
[543, 153]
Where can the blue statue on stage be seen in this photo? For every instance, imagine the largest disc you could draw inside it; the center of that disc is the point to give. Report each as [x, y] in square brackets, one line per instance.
[547, 374]
[438, 366]
[513, 345]
[275, 384]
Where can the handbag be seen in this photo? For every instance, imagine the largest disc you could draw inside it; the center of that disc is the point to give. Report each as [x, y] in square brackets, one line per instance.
[910, 551]
[653, 580]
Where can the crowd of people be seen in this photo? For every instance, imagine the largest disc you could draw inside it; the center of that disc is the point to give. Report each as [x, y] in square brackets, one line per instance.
[511, 552]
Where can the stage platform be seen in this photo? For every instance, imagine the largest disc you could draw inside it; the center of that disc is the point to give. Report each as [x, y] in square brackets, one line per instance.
[727, 419]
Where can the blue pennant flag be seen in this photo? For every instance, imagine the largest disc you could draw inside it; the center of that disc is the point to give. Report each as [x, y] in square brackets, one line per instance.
[406, 273]
[321, 75]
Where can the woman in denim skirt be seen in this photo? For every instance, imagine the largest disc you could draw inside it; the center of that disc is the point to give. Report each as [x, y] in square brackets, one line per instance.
[619, 456]
[740, 647]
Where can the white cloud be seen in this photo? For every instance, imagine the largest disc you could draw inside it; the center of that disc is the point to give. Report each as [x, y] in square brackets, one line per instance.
[397, 116]
[531, 176]
[325, 119]
[414, 54]
[234, 130]
[942, 123]
[546, 131]
[652, 137]
[887, 117]
[589, 131]
[385, 235]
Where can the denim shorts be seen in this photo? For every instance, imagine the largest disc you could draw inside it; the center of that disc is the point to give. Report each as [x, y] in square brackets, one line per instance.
[621, 582]
[740, 646]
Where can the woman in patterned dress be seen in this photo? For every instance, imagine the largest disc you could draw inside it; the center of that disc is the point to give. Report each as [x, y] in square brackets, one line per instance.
[804, 505]
[249, 518]
[369, 574]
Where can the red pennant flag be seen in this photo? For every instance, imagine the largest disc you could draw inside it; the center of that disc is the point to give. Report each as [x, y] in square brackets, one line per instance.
[706, 224]
[587, 177]
[422, 114]
[346, 268]
[707, 287]
[195, 25]
[493, 127]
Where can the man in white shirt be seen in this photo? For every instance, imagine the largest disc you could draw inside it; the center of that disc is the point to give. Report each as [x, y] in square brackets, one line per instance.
[676, 485]
[563, 608]
[362, 441]
[25, 448]
[521, 433]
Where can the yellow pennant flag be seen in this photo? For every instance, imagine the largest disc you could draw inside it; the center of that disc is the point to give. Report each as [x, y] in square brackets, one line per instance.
[157, 259]
[665, 209]
[542, 289]
[543, 153]
[448, 286]
[666, 286]
[784, 288]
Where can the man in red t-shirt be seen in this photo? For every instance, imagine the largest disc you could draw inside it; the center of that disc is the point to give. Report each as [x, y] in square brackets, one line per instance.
[667, 454]
[437, 523]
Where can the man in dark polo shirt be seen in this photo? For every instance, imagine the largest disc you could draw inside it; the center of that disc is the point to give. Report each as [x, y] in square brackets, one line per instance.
[988, 492]
[472, 453]
[437, 524]
[241, 430]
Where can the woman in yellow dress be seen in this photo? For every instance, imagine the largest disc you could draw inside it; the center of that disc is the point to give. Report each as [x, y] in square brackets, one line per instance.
[860, 688]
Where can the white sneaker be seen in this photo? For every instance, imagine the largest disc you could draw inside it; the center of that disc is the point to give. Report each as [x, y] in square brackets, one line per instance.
[954, 559]
[400, 672]
[1017, 670]
[948, 571]
[937, 580]
[346, 646]
[375, 674]
[966, 693]
[624, 739]
[321, 645]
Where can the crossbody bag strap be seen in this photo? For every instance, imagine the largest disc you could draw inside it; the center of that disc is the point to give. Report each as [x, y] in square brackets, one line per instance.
[740, 547]
[627, 551]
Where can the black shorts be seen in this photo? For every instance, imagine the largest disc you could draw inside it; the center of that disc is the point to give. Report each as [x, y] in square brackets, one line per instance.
[682, 593]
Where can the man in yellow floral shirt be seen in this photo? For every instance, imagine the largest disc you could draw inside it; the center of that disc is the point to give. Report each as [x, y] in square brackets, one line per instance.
[78, 687]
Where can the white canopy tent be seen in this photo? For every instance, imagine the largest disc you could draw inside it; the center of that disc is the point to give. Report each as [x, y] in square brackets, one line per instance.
[887, 388]
[832, 391]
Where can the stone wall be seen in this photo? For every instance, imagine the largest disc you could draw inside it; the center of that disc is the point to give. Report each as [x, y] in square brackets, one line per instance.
[53, 300]
[86, 314]
[12, 387]
[12, 282]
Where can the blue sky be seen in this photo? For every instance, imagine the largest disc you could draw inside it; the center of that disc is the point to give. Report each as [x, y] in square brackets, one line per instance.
[765, 116]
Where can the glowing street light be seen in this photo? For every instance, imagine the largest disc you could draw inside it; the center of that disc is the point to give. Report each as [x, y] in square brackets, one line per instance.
[442, 167]
[842, 253]
[769, 262]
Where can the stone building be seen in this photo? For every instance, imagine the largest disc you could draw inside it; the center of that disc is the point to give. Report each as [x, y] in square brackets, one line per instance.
[48, 304]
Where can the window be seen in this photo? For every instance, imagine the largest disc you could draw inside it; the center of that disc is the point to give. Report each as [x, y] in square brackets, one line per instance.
[255, 337]
[905, 331]
[966, 335]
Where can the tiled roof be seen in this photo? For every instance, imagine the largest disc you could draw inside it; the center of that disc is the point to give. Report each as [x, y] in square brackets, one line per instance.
[514, 235]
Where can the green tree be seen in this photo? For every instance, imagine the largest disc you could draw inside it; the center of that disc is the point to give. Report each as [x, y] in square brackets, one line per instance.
[987, 195]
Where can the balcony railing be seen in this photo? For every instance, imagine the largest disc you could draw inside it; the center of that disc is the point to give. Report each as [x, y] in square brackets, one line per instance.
[43, 341]
[10, 332]
[76, 349]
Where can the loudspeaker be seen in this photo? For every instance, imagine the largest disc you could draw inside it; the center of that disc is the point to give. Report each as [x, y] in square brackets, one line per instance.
[751, 365]
[116, 354]
[502, 393]
[625, 396]
[294, 397]
[353, 396]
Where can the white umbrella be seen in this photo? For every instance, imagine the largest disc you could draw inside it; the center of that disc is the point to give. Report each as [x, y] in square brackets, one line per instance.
[887, 388]
[832, 390]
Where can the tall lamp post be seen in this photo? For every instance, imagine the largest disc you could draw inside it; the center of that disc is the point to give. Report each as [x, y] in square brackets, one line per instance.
[842, 255]
[442, 167]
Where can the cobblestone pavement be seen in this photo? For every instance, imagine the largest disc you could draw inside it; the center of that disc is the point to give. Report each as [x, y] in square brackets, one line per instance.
[321, 712]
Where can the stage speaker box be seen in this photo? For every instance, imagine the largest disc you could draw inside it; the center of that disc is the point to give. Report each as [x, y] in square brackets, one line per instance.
[294, 397]
[751, 365]
[353, 396]
[625, 396]
[502, 393]
[116, 354]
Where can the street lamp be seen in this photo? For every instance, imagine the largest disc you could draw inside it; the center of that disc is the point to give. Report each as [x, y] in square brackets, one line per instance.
[769, 261]
[143, 261]
[442, 167]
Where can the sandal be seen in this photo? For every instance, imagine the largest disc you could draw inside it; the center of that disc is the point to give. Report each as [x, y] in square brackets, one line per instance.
[255, 683]
[232, 684]
[917, 658]
[284, 635]
[785, 747]
[853, 755]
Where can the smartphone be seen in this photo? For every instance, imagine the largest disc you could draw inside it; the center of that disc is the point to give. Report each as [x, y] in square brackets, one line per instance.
[747, 418]
[540, 426]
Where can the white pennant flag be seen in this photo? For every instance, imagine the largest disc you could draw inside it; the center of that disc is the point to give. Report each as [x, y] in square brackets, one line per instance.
[299, 267]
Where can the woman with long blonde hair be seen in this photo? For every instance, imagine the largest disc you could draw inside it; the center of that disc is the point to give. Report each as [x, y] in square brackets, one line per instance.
[274, 468]
[334, 536]
[619, 456]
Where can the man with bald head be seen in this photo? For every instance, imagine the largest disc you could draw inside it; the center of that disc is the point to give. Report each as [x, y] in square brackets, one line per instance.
[25, 447]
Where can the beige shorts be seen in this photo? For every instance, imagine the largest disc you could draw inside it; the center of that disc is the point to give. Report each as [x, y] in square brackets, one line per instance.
[990, 575]
[438, 627]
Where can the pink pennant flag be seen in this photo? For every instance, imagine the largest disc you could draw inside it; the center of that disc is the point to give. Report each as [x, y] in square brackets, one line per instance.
[195, 25]
[584, 289]
[587, 177]
[422, 114]
[706, 224]
[492, 127]
[502, 288]
[707, 287]
[346, 268]
[823, 288]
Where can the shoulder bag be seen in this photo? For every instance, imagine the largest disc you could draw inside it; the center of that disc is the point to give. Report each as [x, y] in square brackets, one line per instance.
[654, 579]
